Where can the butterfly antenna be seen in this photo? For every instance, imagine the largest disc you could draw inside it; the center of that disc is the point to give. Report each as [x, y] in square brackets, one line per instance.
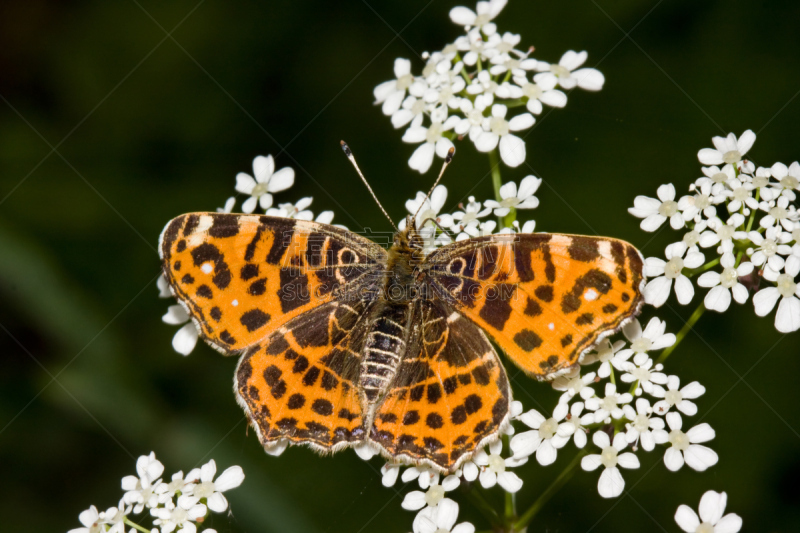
[349, 154]
[449, 157]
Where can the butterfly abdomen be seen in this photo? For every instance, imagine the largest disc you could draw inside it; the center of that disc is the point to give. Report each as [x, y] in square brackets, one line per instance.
[383, 349]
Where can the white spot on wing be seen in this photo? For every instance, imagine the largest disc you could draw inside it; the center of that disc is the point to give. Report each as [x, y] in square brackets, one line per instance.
[198, 235]
[207, 268]
[453, 317]
[590, 295]
[551, 326]
[235, 303]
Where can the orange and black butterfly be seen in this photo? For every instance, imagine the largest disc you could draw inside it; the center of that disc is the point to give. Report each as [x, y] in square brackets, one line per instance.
[344, 342]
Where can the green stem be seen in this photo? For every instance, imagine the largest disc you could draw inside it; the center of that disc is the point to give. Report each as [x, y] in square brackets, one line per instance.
[486, 509]
[682, 333]
[510, 497]
[497, 181]
[554, 487]
[689, 273]
[135, 525]
[753, 212]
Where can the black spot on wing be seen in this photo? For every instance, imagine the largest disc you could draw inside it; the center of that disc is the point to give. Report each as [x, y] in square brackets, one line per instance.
[496, 308]
[294, 291]
[254, 319]
[224, 225]
[584, 249]
[527, 340]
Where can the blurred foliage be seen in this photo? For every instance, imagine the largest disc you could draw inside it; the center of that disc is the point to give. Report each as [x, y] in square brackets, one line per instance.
[110, 126]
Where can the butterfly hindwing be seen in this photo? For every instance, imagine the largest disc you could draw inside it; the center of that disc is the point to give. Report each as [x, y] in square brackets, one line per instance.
[243, 276]
[302, 383]
[449, 396]
[544, 298]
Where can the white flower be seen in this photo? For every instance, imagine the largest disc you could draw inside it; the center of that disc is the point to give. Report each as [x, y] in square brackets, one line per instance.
[719, 297]
[712, 506]
[417, 499]
[610, 483]
[702, 202]
[677, 397]
[433, 142]
[548, 435]
[606, 354]
[163, 287]
[641, 425]
[788, 177]
[769, 248]
[424, 475]
[289, 210]
[574, 417]
[609, 405]
[486, 12]
[391, 93]
[645, 374]
[141, 490]
[326, 217]
[727, 149]
[477, 230]
[686, 447]
[185, 339]
[470, 215]
[497, 130]
[493, 469]
[229, 203]
[654, 337]
[655, 212]
[516, 199]
[565, 74]
[170, 519]
[787, 318]
[778, 212]
[573, 383]
[389, 473]
[663, 273]
[441, 519]
[206, 487]
[540, 93]
[266, 181]
[95, 522]
[427, 209]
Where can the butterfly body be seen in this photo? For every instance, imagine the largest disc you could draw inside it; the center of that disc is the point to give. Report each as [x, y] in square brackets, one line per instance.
[343, 342]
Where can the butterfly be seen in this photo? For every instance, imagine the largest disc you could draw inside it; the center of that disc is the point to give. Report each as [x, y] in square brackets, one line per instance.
[343, 342]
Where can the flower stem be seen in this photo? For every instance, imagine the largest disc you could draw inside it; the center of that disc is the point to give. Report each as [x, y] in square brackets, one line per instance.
[135, 525]
[497, 181]
[510, 497]
[682, 333]
[474, 494]
[554, 487]
[690, 273]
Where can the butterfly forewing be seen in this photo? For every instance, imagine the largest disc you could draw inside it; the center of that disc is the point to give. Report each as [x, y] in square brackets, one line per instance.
[544, 298]
[243, 276]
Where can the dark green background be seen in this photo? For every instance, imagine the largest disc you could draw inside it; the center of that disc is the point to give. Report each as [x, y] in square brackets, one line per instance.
[108, 129]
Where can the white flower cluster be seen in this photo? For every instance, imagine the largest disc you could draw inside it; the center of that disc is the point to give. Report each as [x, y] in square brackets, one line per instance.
[739, 217]
[259, 189]
[621, 423]
[468, 88]
[466, 223]
[181, 504]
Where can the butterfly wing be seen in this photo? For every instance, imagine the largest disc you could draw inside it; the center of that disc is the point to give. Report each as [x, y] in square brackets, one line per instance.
[544, 298]
[301, 383]
[241, 277]
[449, 396]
